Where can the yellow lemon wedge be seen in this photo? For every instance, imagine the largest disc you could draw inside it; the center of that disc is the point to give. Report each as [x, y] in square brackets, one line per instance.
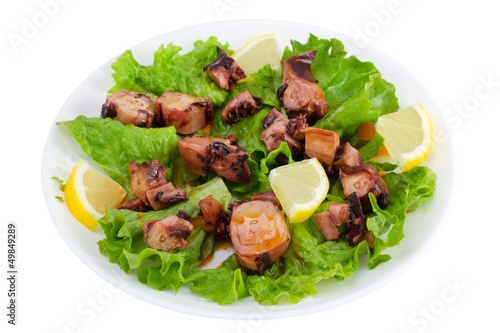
[407, 134]
[300, 187]
[259, 52]
[87, 191]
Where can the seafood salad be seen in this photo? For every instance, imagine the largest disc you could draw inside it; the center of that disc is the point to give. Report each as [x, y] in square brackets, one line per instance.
[192, 140]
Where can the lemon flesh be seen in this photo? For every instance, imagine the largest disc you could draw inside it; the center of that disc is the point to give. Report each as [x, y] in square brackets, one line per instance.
[407, 134]
[257, 53]
[300, 187]
[87, 192]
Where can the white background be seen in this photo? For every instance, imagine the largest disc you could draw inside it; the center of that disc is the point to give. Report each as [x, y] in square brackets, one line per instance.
[451, 46]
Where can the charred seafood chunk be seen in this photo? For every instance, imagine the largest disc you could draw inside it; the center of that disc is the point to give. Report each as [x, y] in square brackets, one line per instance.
[242, 105]
[146, 176]
[222, 157]
[163, 196]
[187, 113]
[356, 229]
[296, 125]
[276, 132]
[212, 211]
[329, 221]
[224, 71]
[137, 205]
[259, 234]
[129, 107]
[348, 159]
[167, 234]
[362, 182]
[323, 145]
[300, 92]
[149, 184]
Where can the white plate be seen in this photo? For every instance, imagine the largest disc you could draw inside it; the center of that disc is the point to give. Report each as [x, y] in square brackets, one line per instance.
[62, 152]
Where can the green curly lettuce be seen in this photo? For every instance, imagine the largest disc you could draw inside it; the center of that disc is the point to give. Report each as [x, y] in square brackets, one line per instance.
[125, 244]
[171, 71]
[113, 145]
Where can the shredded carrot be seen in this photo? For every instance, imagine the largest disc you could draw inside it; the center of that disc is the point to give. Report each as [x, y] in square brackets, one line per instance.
[367, 132]
[382, 151]
[206, 261]
[227, 244]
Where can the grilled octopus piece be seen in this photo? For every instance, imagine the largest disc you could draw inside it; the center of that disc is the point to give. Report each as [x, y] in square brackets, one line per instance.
[137, 205]
[300, 92]
[164, 196]
[224, 71]
[267, 196]
[212, 212]
[221, 231]
[329, 221]
[187, 113]
[340, 211]
[259, 234]
[129, 107]
[146, 176]
[323, 145]
[167, 234]
[296, 125]
[356, 229]
[276, 132]
[328, 225]
[242, 105]
[362, 182]
[223, 157]
[348, 159]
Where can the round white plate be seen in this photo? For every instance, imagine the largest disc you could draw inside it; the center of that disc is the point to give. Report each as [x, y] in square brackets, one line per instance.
[62, 152]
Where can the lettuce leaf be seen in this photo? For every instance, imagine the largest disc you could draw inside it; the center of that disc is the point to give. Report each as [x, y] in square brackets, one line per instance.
[354, 90]
[408, 191]
[171, 71]
[113, 145]
[370, 149]
[125, 244]
[224, 285]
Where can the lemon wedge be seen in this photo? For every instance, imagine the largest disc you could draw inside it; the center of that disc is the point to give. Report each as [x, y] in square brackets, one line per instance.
[300, 187]
[257, 53]
[87, 191]
[407, 134]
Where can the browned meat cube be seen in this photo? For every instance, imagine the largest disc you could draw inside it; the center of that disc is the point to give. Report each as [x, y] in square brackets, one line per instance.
[224, 71]
[300, 92]
[242, 105]
[146, 176]
[137, 205]
[129, 107]
[323, 145]
[187, 113]
[167, 234]
[223, 157]
[166, 195]
[276, 132]
[348, 159]
[212, 211]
